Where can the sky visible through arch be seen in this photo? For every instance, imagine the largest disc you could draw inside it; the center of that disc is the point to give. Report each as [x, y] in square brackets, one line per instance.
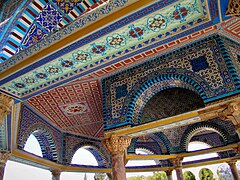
[18, 171]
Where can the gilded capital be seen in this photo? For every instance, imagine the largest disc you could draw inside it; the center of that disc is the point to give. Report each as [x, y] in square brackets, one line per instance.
[231, 112]
[233, 8]
[116, 145]
[5, 106]
[4, 156]
[169, 172]
[237, 149]
[232, 162]
[177, 162]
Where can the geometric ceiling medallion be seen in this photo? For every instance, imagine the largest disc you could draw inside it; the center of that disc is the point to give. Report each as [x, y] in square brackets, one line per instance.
[75, 108]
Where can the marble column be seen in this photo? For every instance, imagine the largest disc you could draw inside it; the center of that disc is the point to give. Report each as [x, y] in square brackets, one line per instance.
[4, 156]
[234, 170]
[56, 174]
[177, 163]
[169, 174]
[116, 146]
[6, 103]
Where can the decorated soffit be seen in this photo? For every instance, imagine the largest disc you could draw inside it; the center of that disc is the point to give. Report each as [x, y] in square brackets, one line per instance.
[75, 108]
[39, 19]
[136, 33]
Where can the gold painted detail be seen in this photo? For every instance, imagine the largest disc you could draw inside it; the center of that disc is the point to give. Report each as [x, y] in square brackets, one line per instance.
[56, 174]
[5, 106]
[169, 172]
[232, 112]
[237, 149]
[150, 157]
[232, 162]
[233, 8]
[4, 156]
[177, 163]
[116, 145]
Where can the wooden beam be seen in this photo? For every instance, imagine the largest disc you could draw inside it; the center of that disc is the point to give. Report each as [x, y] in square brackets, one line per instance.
[153, 126]
[181, 155]
[210, 150]
[202, 114]
[150, 157]
[49, 165]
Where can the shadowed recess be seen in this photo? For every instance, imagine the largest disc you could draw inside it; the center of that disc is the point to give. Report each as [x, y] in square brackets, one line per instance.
[170, 102]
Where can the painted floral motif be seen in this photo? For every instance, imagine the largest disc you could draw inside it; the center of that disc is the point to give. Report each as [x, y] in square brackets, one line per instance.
[81, 56]
[53, 70]
[116, 41]
[68, 5]
[41, 75]
[66, 63]
[180, 13]
[157, 23]
[34, 35]
[19, 85]
[136, 32]
[29, 80]
[98, 48]
[151, 27]
[49, 18]
[75, 108]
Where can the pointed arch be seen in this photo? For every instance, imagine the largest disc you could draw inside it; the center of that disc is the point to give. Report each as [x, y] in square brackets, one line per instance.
[32, 145]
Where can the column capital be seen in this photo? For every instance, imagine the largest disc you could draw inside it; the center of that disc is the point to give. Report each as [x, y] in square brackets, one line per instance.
[116, 145]
[232, 162]
[169, 172]
[237, 149]
[4, 156]
[231, 112]
[177, 162]
[233, 8]
[56, 172]
[5, 106]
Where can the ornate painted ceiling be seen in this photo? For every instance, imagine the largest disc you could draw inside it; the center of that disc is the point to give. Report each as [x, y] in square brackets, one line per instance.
[55, 53]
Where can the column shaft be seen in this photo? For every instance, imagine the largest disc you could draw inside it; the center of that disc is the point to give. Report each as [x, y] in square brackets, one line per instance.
[118, 167]
[177, 163]
[2, 169]
[179, 173]
[56, 175]
[234, 170]
[169, 174]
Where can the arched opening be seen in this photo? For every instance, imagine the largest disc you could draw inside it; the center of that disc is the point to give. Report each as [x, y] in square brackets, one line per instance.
[170, 102]
[136, 163]
[84, 156]
[196, 146]
[32, 145]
